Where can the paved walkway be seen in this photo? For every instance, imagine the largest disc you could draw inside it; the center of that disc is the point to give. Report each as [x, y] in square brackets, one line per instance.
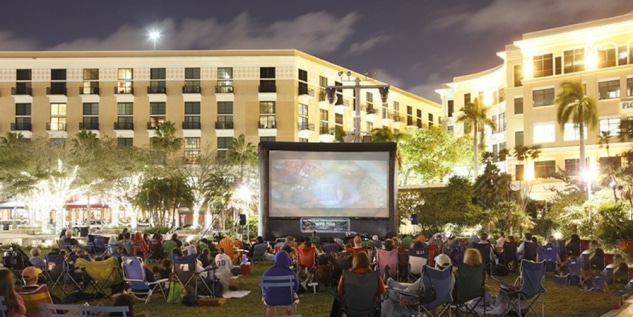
[625, 311]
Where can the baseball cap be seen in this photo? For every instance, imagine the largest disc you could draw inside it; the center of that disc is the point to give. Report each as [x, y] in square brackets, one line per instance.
[442, 260]
[31, 272]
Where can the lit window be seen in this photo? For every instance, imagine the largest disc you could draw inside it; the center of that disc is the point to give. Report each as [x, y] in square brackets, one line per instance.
[544, 132]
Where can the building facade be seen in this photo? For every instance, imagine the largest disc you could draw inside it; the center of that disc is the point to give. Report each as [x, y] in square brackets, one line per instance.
[521, 93]
[211, 96]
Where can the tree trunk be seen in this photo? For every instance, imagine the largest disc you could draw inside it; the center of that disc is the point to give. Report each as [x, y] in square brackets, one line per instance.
[475, 153]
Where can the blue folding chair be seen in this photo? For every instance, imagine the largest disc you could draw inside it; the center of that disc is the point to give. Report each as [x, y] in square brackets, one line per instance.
[529, 291]
[549, 255]
[135, 276]
[440, 281]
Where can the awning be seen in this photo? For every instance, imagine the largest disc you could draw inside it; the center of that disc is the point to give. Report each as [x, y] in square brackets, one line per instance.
[82, 202]
[11, 204]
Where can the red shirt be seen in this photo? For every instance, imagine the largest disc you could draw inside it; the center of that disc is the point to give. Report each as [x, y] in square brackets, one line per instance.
[381, 286]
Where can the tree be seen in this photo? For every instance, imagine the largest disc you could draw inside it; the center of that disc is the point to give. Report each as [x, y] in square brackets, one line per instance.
[475, 116]
[573, 105]
[242, 154]
[165, 143]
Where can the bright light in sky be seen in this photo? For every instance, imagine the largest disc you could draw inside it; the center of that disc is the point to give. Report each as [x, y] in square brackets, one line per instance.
[154, 36]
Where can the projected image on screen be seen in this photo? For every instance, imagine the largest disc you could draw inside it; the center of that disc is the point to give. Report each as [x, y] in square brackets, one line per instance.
[333, 184]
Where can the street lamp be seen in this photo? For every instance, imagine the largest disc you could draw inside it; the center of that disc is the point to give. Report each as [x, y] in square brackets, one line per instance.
[154, 36]
[331, 94]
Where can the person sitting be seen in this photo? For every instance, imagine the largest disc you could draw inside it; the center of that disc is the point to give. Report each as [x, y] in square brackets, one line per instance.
[70, 242]
[260, 241]
[395, 303]
[30, 276]
[527, 248]
[129, 301]
[549, 254]
[165, 268]
[277, 296]
[126, 243]
[205, 257]
[596, 265]
[225, 270]
[13, 302]
[360, 265]
[357, 246]
[620, 270]
[171, 244]
[139, 244]
[573, 246]
[36, 260]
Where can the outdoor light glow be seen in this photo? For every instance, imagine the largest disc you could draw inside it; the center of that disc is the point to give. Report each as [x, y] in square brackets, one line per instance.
[591, 62]
[557, 235]
[154, 36]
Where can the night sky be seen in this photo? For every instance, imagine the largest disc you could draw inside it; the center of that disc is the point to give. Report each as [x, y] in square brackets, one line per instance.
[416, 45]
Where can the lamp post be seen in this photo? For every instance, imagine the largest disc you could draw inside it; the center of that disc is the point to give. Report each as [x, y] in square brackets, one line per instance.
[331, 94]
[154, 36]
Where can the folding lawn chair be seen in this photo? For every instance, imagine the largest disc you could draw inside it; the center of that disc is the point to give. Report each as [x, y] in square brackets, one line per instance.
[15, 258]
[440, 281]
[549, 255]
[57, 273]
[34, 298]
[387, 259]
[278, 292]
[528, 289]
[360, 291]
[102, 274]
[416, 264]
[469, 289]
[185, 271]
[139, 286]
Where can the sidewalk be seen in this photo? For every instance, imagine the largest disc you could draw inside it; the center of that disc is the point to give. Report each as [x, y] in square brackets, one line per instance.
[625, 311]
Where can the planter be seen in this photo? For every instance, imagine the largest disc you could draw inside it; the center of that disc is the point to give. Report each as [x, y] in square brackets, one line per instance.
[584, 244]
[626, 244]
[608, 258]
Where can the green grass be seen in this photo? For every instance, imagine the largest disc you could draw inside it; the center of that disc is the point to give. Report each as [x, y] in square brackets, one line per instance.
[559, 300]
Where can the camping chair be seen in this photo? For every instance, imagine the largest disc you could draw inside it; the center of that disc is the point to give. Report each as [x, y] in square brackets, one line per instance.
[416, 264]
[185, 271]
[527, 289]
[360, 292]
[486, 255]
[97, 245]
[64, 310]
[279, 287]
[403, 266]
[15, 259]
[3, 307]
[509, 256]
[102, 274]
[469, 289]
[259, 251]
[440, 281]
[387, 259]
[306, 258]
[155, 248]
[34, 298]
[134, 275]
[548, 254]
[57, 273]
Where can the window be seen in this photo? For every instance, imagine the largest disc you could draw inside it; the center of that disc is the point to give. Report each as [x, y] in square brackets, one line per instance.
[338, 119]
[370, 102]
[451, 107]
[519, 172]
[124, 84]
[303, 82]
[23, 83]
[466, 99]
[574, 60]
[572, 167]
[267, 119]
[612, 125]
[544, 132]
[418, 115]
[322, 86]
[58, 117]
[544, 169]
[323, 122]
[90, 81]
[192, 115]
[157, 113]
[22, 117]
[430, 115]
[558, 65]
[543, 65]
[609, 89]
[543, 97]
[225, 80]
[502, 94]
[90, 116]
[518, 105]
[192, 80]
[303, 117]
[157, 83]
[225, 115]
[518, 138]
[518, 75]
[571, 132]
[224, 143]
[125, 141]
[606, 57]
[273, 139]
[267, 79]
[58, 82]
[192, 150]
[501, 125]
[125, 120]
[622, 55]
[23, 74]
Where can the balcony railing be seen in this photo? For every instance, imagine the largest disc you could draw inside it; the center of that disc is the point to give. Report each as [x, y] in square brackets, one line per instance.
[371, 110]
[267, 86]
[22, 91]
[268, 125]
[306, 91]
[223, 89]
[324, 130]
[190, 125]
[59, 126]
[123, 90]
[153, 125]
[156, 90]
[124, 126]
[191, 89]
[20, 126]
[88, 90]
[306, 126]
[224, 125]
[88, 125]
[56, 90]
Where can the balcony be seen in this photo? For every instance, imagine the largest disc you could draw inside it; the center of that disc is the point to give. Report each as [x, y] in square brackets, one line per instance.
[224, 125]
[22, 91]
[56, 90]
[123, 90]
[57, 126]
[324, 130]
[190, 125]
[156, 90]
[191, 89]
[305, 91]
[88, 90]
[223, 89]
[306, 126]
[21, 126]
[124, 126]
[88, 125]
[267, 86]
[268, 125]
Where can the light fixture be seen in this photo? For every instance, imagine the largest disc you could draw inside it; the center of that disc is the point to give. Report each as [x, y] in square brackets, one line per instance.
[154, 36]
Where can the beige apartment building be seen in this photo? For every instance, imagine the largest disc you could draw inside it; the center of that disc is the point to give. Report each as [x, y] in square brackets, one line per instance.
[211, 96]
[521, 94]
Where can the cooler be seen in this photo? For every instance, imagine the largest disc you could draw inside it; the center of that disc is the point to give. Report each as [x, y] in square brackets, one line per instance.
[245, 269]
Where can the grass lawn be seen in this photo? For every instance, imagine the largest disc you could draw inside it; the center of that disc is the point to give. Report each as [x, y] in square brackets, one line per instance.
[559, 300]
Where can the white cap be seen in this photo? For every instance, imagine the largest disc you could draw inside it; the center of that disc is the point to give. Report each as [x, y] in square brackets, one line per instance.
[442, 260]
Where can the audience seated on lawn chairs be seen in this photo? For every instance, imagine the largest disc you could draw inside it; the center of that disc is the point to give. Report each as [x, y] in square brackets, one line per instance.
[360, 265]
[225, 270]
[573, 246]
[548, 253]
[36, 260]
[13, 301]
[527, 248]
[278, 296]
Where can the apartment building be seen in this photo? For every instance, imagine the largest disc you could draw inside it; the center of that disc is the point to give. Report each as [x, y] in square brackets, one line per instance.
[521, 93]
[211, 96]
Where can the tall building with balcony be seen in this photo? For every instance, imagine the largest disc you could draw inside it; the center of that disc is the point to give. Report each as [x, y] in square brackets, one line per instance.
[521, 93]
[211, 96]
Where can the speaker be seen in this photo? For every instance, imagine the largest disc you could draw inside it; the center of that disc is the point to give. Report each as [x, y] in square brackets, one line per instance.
[242, 219]
[414, 219]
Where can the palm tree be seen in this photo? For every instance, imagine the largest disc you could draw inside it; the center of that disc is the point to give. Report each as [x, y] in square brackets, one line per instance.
[573, 105]
[604, 138]
[165, 141]
[242, 154]
[475, 115]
